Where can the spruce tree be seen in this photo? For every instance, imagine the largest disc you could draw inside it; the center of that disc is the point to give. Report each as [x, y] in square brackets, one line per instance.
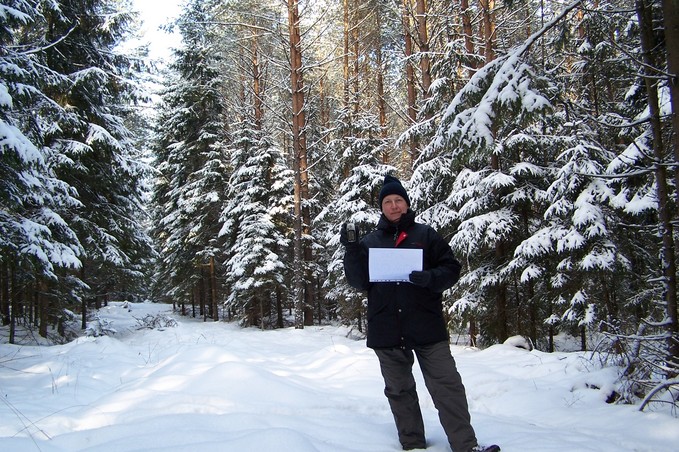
[93, 148]
[193, 163]
[355, 201]
[255, 220]
[33, 232]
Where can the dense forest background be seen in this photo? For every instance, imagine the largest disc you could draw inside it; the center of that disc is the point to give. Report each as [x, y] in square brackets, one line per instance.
[539, 137]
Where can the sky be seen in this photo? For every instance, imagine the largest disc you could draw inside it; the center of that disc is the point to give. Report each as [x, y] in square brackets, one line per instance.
[213, 386]
[155, 13]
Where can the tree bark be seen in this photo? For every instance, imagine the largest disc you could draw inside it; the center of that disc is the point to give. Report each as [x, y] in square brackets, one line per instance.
[83, 303]
[202, 295]
[302, 217]
[194, 297]
[381, 103]
[256, 83]
[468, 34]
[279, 307]
[410, 76]
[488, 23]
[14, 310]
[213, 290]
[357, 62]
[487, 6]
[42, 302]
[345, 54]
[423, 37]
[4, 293]
[346, 76]
[671, 18]
[666, 214]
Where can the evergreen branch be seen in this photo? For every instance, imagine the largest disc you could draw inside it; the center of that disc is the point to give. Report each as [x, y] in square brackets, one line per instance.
[49, 46]
[538, 34]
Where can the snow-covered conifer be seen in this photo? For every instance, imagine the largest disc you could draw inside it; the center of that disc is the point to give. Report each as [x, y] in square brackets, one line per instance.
[255, 221]
[193, 161]
[356, 201]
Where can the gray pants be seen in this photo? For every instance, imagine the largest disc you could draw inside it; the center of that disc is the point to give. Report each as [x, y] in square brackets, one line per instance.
[445, 387]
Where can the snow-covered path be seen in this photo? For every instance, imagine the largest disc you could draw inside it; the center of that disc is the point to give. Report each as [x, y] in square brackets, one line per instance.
[216, 387]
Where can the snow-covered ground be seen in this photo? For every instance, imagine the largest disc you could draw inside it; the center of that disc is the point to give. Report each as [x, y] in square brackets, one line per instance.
[216, 387]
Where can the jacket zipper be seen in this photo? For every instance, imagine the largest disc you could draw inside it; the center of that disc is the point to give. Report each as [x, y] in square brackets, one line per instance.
[401, 237]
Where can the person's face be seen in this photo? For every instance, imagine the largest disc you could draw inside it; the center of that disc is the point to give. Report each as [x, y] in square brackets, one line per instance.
[393, 206]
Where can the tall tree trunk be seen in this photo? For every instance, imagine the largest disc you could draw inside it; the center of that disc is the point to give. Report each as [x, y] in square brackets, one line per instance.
[468, 34]
[256, 83]
[203, 294]
[14, 310]
[488, 23]
[302, 217]
[473, 331]
[4, 293]
[345, 55]
[42, 303]
[423, 38]
[213, 290]
[357, 59]
[242, 82]
[261, 313]
[551, 338]
[194, 298]
[83, 303]
[501, 320]
[324, 109]
[279, 307]
[346, 75]
[671, 17]
[487, 7]
[31, 307]
[410, 77]
[667, 215]
[583, 338]
[381, 103]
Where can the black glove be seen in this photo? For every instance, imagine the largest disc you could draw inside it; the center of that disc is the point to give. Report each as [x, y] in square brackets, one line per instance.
[422, 278]
[344, 239]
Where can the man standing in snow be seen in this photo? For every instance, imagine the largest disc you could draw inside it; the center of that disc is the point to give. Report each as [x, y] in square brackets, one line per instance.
[406, 319]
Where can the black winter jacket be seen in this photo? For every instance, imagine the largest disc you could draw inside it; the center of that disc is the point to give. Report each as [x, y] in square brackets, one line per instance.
[402, 314]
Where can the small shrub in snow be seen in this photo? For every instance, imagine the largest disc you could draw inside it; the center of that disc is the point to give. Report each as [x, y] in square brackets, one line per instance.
[100, 327]
[159, 321]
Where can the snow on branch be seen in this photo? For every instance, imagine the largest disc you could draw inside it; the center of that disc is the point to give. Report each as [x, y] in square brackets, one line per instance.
[503, 83]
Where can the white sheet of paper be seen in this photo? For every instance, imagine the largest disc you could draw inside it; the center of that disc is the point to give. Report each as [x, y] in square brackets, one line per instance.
[393, 264]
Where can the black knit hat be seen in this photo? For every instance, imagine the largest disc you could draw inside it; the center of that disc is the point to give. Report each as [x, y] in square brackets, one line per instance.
[392, 186]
